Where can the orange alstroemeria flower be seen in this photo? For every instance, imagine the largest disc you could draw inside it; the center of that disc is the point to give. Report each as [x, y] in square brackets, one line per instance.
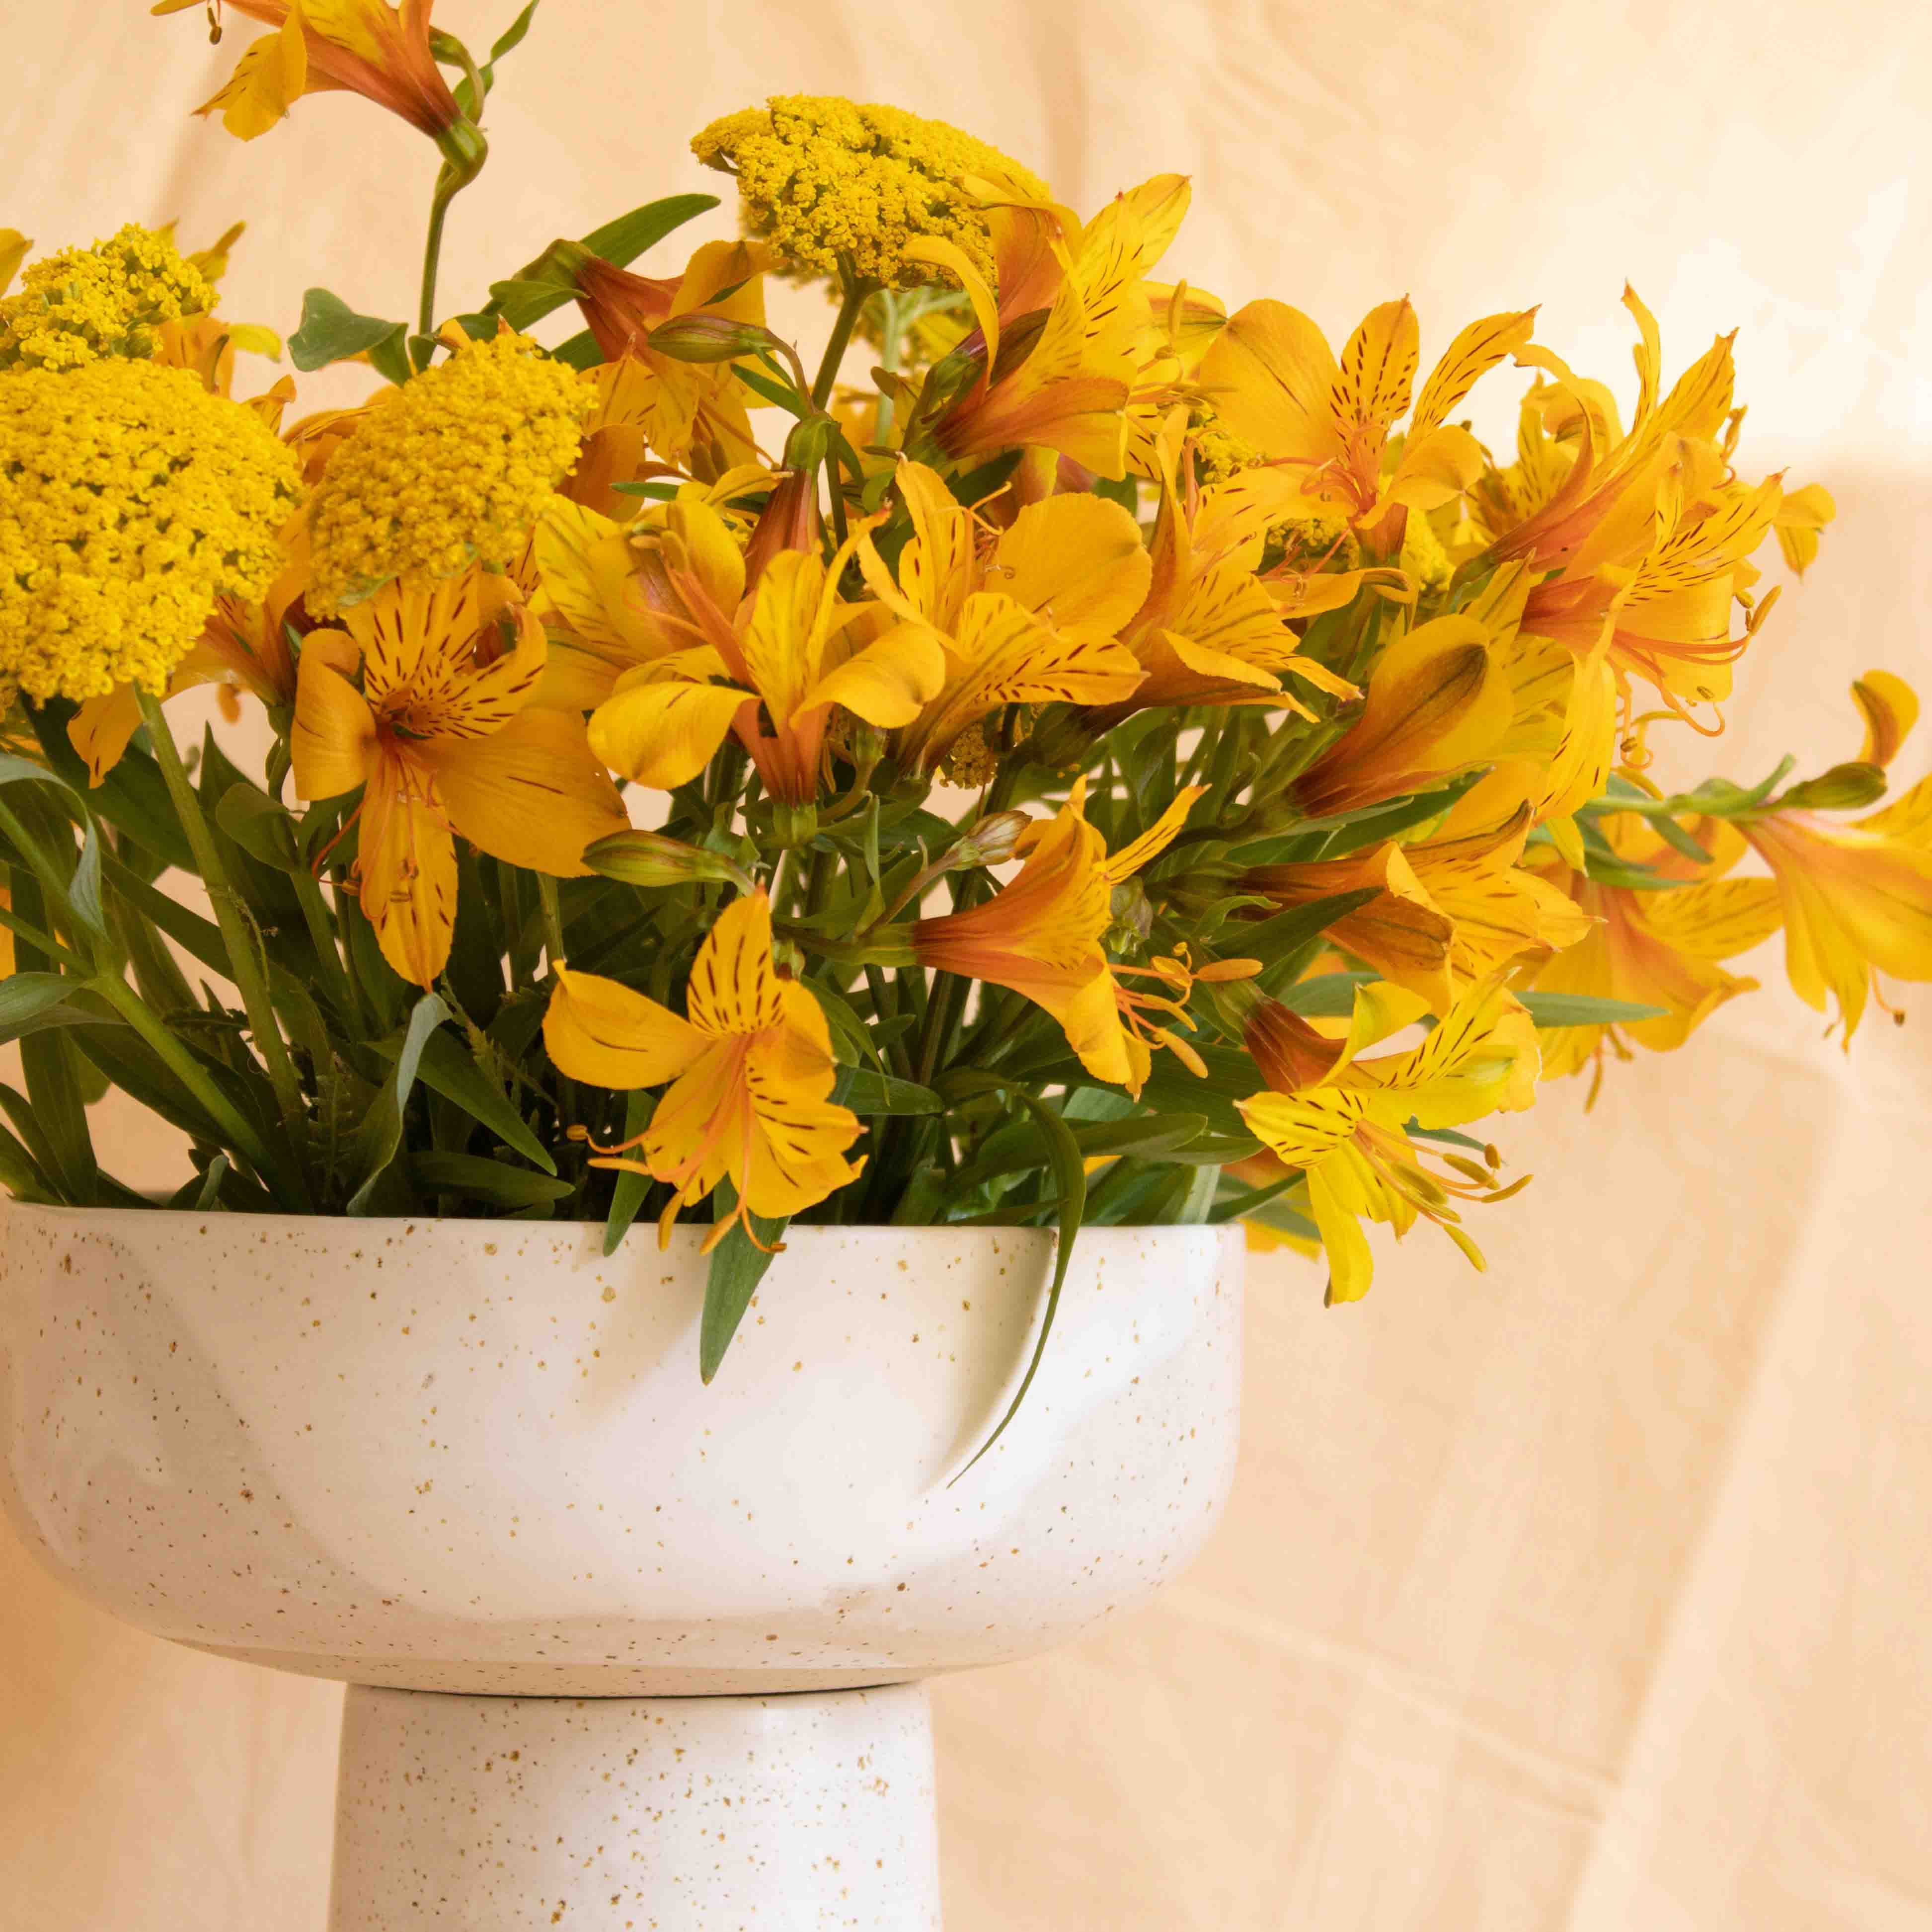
[1070, 388]
[442, 737]
[356, 47]
[751, 1074]
[1041, 937]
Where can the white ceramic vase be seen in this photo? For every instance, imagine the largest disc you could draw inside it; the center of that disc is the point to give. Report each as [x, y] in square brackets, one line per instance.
[629, 1654]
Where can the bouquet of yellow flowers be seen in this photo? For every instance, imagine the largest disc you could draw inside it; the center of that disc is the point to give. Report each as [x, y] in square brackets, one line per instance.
[1124, 761]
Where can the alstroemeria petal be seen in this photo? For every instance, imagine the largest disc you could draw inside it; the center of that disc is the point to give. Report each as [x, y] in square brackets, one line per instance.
[663, 732]
[608, 1035]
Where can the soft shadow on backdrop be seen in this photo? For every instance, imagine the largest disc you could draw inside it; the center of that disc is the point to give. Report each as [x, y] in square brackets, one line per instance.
[1589, 1594]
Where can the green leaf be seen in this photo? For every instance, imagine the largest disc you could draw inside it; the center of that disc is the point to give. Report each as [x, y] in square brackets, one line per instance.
[510, 38]
[83, 887]
[1070, 1176]
[623, 240]
[627, 1197]
[446, 1068]
[738, 1264]
[376, 1141]
[332, 331]
[24, 997]
[133, 797]
[579, 352]
[19, 1173]
[866, 1092]
[476, 1177]
[199, 937]
[1563, 1010]
[1144, 1136]
[1270, 939]
[263, 829]
[1328, 996]
[775, 393]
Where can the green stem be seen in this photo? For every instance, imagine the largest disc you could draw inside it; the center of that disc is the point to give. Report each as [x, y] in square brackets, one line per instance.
[447, 188]
[246, 967]
[889, 328]
[857, 293]
[241, 1137]
[552, 919]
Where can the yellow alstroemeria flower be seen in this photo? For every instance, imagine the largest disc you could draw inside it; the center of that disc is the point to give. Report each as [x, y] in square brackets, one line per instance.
[1070, 390]
[1032, 622]
[1662, 947]
[781, 656]
[1041, 936]
[243, 646]
[1454, 908]
[1209, 631]
[1857, 899]
[750, 1069]
[442, 735]
[1274, 381]
[1438, 702]
[1341, 1119]
[357, 46]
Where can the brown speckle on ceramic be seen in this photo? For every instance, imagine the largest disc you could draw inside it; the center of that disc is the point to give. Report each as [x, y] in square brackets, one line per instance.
[702, 1814]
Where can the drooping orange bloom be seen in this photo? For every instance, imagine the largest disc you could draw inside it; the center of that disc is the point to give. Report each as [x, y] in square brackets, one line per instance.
[356, 46]
[1041, 935]
[442, 737]
[750, 1069]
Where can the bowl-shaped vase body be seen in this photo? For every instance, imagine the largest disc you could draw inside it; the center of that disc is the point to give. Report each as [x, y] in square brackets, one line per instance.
[476, 1457]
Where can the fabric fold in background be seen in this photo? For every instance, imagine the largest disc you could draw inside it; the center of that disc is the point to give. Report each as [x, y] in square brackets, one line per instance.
[1584, 1595]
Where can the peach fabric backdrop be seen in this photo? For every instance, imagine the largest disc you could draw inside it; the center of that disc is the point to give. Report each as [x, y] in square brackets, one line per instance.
[1588, 1594]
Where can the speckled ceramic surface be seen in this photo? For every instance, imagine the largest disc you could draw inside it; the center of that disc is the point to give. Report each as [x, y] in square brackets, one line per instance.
[812, 1813]
[476, 1457]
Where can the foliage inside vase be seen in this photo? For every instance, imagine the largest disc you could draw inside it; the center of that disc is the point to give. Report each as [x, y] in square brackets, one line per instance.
[1124, 761]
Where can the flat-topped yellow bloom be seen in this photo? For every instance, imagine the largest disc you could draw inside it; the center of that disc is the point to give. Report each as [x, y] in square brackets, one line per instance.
[749, 1068]
[133, 500]
[112, 298]
[1041, 936]
[356, 47]
[443, 737]
[822, 178]
[1344, 1123]
[1029, 621]
[453, 469]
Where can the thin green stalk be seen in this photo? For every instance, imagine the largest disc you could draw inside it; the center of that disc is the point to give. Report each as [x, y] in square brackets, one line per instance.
[193, 1077]
[553, 918]
[322, 937]
[447, 188]
[857, 293]
[890, 325]
[246, 967]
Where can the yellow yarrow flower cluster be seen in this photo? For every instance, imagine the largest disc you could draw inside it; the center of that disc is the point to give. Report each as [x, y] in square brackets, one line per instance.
[820, 177]
[452, 470]
[130, 498]
[78, 305]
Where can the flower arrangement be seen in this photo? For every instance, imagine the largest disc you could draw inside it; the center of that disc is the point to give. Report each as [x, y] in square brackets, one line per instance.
[1127, 761]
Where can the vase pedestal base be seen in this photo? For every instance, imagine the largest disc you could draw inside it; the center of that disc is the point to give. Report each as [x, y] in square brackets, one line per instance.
[779, 1814]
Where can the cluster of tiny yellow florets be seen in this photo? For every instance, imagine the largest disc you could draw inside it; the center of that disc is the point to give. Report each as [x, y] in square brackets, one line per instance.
[80, 304]
[130, 498]
[1423, 557]
[820, 177]
[453, 470]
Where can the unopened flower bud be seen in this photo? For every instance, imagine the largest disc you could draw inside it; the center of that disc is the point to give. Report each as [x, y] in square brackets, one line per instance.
[992, 842]
[790, 520]
[650, 859]
[1845, 788]
[1132, 917]
[810, 441]
[711, 338]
